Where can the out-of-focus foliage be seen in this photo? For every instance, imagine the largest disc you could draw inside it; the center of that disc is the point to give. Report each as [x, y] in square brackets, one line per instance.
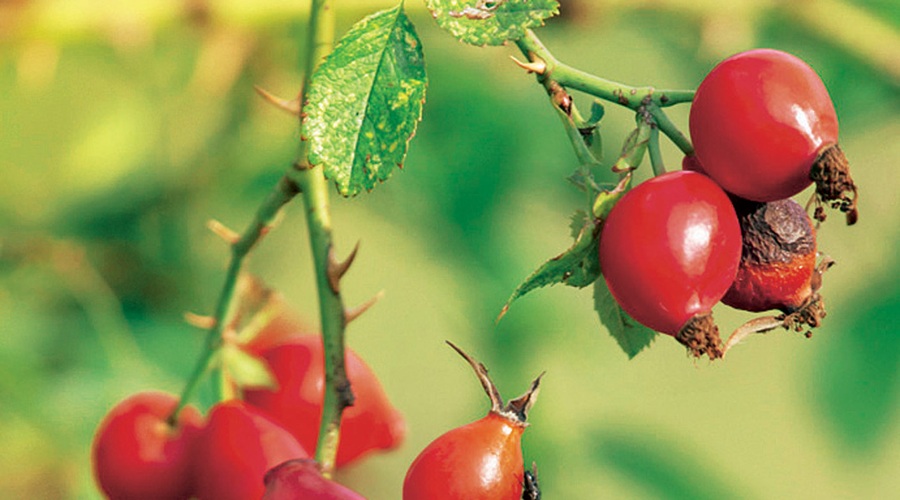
[124, 127]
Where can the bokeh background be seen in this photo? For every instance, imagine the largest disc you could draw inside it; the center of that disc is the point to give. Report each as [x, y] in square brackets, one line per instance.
[124, 126]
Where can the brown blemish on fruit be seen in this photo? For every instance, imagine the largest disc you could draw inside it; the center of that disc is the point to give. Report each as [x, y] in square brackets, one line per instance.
[701, 336]
[778, 257]
[834, 185]
[777, 231]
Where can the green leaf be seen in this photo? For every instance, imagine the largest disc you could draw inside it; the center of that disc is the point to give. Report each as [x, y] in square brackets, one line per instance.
[365, 101]
[491, 22]
[632, 336]
[246, 370]
[605, 200]
[577, 267]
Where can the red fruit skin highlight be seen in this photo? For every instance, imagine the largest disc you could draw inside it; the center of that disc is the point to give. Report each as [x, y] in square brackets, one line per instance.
[670, 249]
[137, 455]
[300, 479]
[759, 120]
[372, 423]
[480, 460]
[778, 259]
[238, 446]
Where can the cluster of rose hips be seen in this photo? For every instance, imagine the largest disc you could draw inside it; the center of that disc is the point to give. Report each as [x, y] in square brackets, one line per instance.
[260, 446]
[724, 228]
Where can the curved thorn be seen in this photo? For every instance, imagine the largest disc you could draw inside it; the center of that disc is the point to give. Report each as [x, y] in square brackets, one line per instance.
[227, 234]
[352, 314]
[537, 66]
[199, 320]
[337, 270]
[292, 106]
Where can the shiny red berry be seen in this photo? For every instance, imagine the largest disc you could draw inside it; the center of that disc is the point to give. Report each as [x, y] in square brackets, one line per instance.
[238, 446]
[299, 479]
[480, 460]
[136, 454]
[764, 128]
[298, 364]
[669, 250]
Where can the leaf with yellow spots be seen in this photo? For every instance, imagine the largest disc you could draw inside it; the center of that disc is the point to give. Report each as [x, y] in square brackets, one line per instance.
[365, 101]
[491, 22]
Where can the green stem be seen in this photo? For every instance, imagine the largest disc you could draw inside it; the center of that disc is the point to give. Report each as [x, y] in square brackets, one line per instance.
[338, 394]
[282, 193]
[625, 95]
[656, 159]
[314, 186]
[672, 132]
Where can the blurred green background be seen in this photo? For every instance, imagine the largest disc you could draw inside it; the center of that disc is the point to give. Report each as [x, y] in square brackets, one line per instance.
[124, 127]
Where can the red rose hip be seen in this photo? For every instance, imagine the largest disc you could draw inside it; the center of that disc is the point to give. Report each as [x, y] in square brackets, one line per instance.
[136, 454]
[764, 128]
[299, 479]
[669, 250]
[238, 446]
[372, 423]
[478, 461]
[778, 259]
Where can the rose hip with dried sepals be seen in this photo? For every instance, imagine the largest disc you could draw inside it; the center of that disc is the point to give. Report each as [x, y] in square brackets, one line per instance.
[764, 128]
[778, 257]
[669, 250]
[480, 460]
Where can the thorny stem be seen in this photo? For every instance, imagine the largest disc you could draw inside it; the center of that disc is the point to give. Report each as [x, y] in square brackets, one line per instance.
[282, 193]
[556, 77]
[300, 178]
[314, 186]
[619, 93]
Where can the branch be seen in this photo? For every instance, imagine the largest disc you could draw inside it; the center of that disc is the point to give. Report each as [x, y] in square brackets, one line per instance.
[619, 93]
[266, 214]
[328, 271]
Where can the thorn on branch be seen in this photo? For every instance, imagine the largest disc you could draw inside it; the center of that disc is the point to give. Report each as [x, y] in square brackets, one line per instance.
[336, 270]
[227, 234]
[292, 106]
[352, 314]
[537, 66]
[200, 321]
[274, 223]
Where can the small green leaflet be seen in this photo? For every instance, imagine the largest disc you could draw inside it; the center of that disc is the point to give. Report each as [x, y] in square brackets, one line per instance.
[578, 266]
[365, 101]
[491, 22]
[246, 370]
[632, 336]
